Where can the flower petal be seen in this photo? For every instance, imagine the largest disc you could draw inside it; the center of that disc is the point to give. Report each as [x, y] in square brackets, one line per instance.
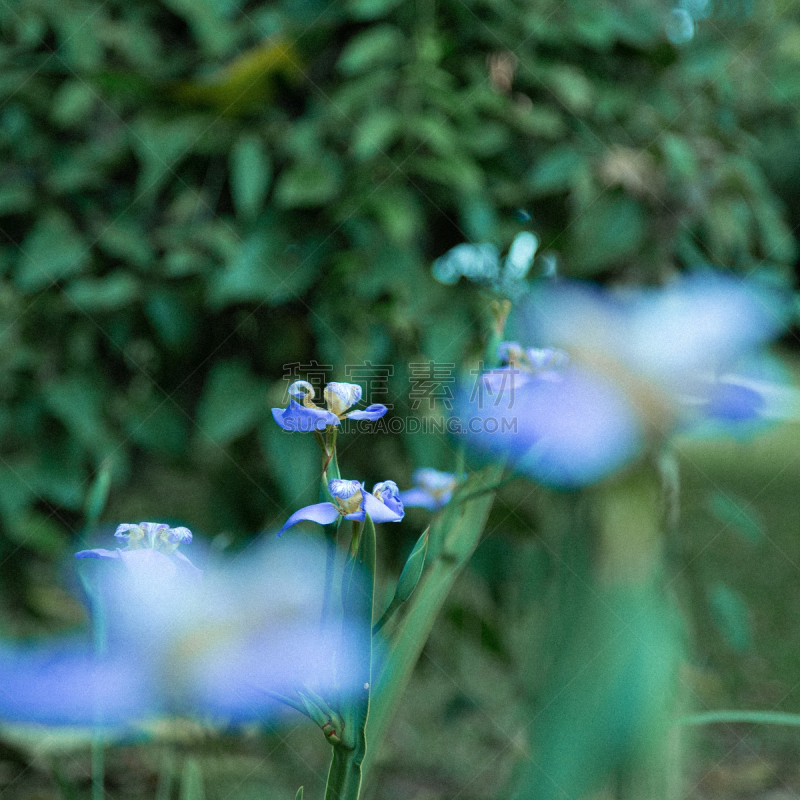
[322, 513]
[373, 412]
[419, 498]
[379, 511]
[66, 684]
[563, 434]
[98, 553]
[296, 417]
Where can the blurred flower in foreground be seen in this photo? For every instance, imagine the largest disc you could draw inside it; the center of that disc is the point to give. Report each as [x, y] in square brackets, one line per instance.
[302, 414]
[432, 489]
[619, 370]
[222, 645]
[352, 502]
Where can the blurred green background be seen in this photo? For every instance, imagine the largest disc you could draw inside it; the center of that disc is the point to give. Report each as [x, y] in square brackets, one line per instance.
[198, 194]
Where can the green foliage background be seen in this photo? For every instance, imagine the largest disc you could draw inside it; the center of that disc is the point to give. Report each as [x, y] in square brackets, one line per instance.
[197, 193]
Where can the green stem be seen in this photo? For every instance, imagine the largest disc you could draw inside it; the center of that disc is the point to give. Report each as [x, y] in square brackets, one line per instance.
[460, 532]
[758, 717]
[344, 777]
[100, 640]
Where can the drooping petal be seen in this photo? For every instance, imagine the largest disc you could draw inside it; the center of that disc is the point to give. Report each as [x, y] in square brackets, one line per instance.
[322, 513]
[371, 412]
[98, 552]
[379, 511]
[419, 498]
[296, 417]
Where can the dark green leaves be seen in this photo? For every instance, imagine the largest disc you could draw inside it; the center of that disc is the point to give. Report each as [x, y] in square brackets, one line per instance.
[52, 251]
[251, 173]
[233, 401]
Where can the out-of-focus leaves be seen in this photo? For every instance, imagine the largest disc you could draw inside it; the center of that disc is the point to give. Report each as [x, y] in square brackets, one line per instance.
[731, 616]
[233, 401]
[372, 47]
[52, 251]
[733, 512]
[251, 173]
[111, 292]
[611, 228]
[309, 183]
[556, 170]
[192, 781]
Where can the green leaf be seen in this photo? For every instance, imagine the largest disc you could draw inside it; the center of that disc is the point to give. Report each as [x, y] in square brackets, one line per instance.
[72, 103]
[556, 170]
[233, 402]
[299, 795]
[251, 173]
[213, 32]
[266, 268]
[375, 132]
[97, 496]
[170, 313]
[309, 183]
[78, 404]
[15, 198]
[192, 781]
[161, 145]
[113, 291]
[460, 526]
[732, 512]
[370, 9]
[52, 251]
[730, 615]
[736, 716]
[379, 44]
[299, 484]
[571, 87]
[409, 578]
[612, 228]
[159, 426]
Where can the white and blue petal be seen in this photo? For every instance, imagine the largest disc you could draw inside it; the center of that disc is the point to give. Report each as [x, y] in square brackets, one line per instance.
[322, 513]
[340, 396]
[379, 511]
[297, 417]
[371, 412]
[388, 493]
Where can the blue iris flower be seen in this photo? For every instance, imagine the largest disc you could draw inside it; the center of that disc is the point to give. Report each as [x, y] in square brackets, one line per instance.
[177, 642]
[302, 414]
[618, 371]
[352, 502]
[149, 546]
[432, 489]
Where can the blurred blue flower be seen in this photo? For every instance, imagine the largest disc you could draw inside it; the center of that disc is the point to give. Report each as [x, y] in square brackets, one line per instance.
[477, 262]
[302, 414]
[432, 489]
[620, 370]
[222, 645]
[352, 502]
